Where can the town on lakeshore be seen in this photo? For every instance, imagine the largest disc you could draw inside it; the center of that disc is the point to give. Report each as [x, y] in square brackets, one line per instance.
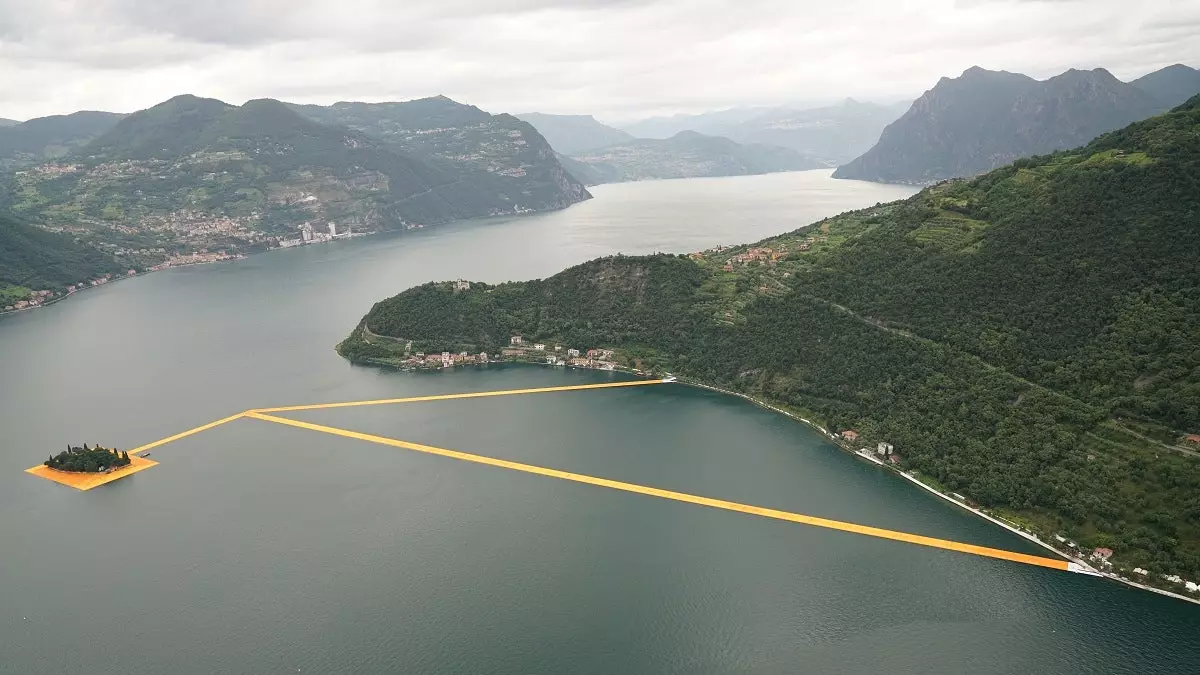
[517, 351]
[154, 259]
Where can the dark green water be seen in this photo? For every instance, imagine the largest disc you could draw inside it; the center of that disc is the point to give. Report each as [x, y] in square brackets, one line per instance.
[258, 548]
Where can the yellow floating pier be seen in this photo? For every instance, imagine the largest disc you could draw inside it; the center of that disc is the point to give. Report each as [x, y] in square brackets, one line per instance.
[678, 496]
[89, 481]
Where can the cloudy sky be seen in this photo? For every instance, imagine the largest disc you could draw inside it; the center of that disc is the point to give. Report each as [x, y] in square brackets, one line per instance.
[618, 59]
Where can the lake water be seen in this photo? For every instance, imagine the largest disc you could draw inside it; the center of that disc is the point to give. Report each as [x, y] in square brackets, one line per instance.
[259, 548]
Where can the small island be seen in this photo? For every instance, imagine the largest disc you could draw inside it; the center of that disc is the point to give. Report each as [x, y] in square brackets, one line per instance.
[88, 460]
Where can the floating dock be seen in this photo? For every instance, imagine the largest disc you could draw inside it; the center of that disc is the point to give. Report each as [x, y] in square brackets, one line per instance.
[89, 481]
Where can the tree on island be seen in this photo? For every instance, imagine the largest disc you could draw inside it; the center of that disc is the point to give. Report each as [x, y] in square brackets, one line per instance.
[88, 460]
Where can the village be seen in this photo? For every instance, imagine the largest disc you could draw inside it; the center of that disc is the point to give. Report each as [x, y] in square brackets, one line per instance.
[39, 298]
[517, 351]
[1098, 559]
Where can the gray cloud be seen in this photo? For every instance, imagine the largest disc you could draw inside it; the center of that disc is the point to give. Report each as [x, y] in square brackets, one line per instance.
[613, 58]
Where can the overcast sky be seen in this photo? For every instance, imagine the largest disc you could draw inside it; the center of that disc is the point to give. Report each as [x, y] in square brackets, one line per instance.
[618, 59]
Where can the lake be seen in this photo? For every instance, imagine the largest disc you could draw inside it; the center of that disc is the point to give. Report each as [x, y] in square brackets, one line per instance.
[259, 548]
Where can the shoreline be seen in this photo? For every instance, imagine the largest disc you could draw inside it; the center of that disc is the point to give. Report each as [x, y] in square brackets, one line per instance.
[1085, 568]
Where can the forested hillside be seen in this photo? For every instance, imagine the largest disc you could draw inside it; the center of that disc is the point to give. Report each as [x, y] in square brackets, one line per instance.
[33, 259]
[1027, 338]
[44, 138]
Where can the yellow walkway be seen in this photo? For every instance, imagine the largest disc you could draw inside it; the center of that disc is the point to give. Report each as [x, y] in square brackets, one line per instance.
[83, 482]
[447, 397]
[679, 496]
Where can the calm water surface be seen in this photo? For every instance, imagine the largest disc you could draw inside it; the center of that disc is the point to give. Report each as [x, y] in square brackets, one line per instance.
[257, 548]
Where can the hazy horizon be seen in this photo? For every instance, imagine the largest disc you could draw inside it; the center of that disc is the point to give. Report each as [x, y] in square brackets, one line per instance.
[618, 60]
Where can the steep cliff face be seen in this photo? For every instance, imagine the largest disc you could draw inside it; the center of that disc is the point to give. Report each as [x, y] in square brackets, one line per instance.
[984, 119]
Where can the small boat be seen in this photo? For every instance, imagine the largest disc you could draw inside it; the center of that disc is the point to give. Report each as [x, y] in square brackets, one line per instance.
[145, 454]
[670, 378]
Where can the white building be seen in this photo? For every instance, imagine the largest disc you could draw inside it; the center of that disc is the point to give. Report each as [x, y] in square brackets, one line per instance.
[306, 232]
[884, 449]
[333, 229]
[483, 357]
[516, 340]
[572, 353]
[540, 348]
[447, 361]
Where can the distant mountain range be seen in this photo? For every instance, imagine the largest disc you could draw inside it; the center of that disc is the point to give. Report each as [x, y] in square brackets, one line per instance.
[829, 135]
[196, 174]
[713, 123]
[985, 119]
[501, 156]
[569, 134]
[46, 138]
[685, 155]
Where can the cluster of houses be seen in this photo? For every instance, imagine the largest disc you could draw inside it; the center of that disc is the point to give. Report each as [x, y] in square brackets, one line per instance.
[600, 359]
[1101, 556]
[198, 258]
[759, 254]
[39, 298]
[309, 235]
[447, 359]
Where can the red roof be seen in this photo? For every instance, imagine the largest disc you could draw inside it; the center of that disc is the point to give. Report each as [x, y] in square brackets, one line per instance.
[1193, 438]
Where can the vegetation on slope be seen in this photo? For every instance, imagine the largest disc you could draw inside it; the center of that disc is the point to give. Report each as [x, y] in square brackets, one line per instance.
[1027, 338]
[34, 259]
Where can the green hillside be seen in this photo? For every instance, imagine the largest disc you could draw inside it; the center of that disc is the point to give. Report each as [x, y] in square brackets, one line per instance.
[45, 138]
[33, 259]
[498, 154]
[1027, 338]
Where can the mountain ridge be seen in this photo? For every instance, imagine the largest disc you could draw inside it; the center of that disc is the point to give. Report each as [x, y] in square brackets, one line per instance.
[194, 174]
[984, 119]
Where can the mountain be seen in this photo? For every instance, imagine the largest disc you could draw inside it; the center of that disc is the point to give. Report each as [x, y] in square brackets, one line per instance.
[569, 134]
[499, 154]
[831, 134]
[1170, 86]
[192, 174]
[5, 122]
[687, 155]
[985, 119]
[32, 259]
[1026, 339]
[45, 138]
[714, 123]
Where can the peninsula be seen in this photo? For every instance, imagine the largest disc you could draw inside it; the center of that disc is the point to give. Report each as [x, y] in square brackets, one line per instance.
[1022, 341]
